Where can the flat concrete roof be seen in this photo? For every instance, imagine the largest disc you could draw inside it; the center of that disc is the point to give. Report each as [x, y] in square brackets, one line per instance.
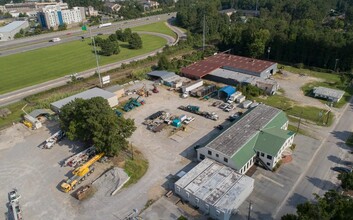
[231, 140]
[323, 91]
[12, 26]
[215, 184]
[91, 93]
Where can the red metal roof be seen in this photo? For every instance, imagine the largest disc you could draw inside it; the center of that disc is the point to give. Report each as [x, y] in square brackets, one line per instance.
[204, 67]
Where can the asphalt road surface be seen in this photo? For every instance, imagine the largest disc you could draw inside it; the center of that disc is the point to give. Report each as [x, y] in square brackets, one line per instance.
[41, 41]
[318, 177]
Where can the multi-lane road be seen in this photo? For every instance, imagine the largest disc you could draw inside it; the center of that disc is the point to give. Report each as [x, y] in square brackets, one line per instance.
[41, 41]
[26, 44]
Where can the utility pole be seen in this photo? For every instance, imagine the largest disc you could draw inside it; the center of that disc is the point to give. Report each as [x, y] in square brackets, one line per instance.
[203, 32]
[95, 52]
[132, 152]
[257, 3]
[300, 120]
[250, 208]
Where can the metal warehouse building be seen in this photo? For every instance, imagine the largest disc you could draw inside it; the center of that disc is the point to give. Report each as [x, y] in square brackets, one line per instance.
[91, 93]
[332, 95]
[8, 32]
[233, 63]
[261, 134]
[234, 70]
[215, 189]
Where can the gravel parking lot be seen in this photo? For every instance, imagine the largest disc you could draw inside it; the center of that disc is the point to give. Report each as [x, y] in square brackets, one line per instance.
[37, 173]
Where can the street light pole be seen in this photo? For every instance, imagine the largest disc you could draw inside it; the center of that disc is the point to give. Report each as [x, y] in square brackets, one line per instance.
[268, 52]
[336, 64]
[95, 52]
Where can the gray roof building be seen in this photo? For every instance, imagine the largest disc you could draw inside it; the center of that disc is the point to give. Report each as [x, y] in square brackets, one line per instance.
[215, 189]
[163, 75]
[333, 95]
[91, 93]
[8, 32]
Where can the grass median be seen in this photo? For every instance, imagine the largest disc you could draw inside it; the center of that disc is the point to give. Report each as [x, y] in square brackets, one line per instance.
[159, 27]
[33, 67]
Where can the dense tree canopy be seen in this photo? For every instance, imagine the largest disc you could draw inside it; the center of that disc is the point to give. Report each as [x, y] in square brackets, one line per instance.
[346, 180]
[135, 41]
[332, 206]
[97, 4]
[94, 122]
[313, 32]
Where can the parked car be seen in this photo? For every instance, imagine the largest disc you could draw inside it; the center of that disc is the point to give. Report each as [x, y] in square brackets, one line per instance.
[342, 169]
[229, 108]
[224, 105]
[220, 127]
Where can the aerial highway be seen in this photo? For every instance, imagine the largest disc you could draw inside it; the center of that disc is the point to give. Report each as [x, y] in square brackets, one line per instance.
[41, 41]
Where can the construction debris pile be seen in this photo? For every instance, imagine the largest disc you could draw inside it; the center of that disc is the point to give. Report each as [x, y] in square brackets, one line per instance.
[111, 181]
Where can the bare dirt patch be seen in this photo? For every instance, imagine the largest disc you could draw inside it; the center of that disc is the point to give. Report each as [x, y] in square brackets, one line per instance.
[291, 84]
[13, 135]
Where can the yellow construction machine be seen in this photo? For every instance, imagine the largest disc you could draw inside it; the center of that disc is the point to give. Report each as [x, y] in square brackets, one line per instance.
[80, 173]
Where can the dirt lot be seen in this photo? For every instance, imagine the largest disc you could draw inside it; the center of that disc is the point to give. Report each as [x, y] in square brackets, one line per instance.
[37, 173]
[291, 83]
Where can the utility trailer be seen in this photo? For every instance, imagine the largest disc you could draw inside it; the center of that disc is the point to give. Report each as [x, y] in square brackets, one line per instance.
[55, 138]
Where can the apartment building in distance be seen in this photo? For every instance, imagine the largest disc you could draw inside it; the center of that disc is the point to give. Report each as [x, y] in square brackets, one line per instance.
[53, 16]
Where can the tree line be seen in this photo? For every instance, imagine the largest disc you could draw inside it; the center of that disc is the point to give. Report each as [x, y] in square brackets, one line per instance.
[312, 32]
[110, 45]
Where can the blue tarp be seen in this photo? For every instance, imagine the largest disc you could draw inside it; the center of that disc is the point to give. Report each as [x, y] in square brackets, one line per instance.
[226, 92]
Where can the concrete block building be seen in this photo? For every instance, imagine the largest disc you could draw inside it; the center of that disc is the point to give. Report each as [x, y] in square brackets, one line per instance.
[332, 95]
[260, 134]
[215, 189]
[8, 32]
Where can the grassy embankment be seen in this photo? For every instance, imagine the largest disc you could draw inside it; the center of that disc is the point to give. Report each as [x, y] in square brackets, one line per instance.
[158, 27]
[33, 67]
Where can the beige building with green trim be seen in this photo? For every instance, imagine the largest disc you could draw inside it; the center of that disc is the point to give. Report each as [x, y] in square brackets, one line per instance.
[260, 134]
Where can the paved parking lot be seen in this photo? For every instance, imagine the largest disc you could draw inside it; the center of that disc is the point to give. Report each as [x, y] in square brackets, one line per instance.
[272, 187]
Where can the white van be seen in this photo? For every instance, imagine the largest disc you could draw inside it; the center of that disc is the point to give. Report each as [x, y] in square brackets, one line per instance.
[56, 39]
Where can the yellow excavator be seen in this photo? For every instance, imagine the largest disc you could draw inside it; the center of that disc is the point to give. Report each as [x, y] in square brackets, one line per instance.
[80, 173]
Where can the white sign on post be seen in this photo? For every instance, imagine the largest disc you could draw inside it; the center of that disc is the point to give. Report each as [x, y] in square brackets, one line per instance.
[106, 79]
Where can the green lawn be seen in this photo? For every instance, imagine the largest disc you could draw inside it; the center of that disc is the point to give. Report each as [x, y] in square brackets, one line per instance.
[325, 76]
[33, 67]
[159, 27]
[291, 108]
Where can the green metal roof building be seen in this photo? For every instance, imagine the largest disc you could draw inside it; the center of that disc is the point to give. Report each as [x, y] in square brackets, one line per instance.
[260, 134]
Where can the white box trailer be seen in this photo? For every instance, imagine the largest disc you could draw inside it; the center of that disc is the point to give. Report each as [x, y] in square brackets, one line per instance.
[192, 86]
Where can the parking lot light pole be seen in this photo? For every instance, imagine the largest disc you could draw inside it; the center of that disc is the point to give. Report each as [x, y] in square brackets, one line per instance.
[268, 52]
[336, 64]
